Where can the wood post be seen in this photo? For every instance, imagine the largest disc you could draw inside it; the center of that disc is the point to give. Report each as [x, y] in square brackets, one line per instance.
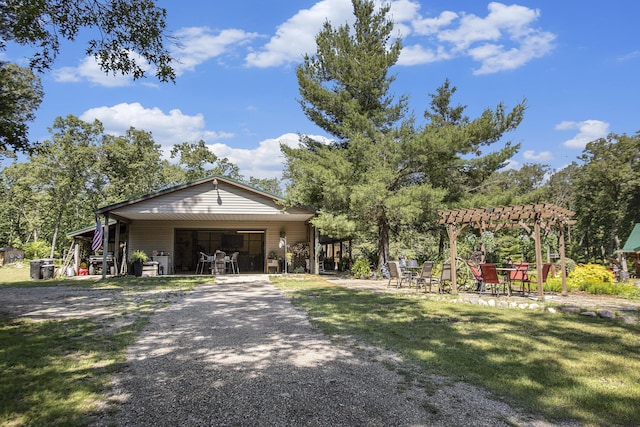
[536, 237]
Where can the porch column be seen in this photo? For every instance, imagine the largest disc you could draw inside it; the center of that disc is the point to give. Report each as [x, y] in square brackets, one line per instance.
[105, 244]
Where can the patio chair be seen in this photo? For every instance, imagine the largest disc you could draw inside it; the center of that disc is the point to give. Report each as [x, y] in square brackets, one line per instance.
[546, 268]
[477, 277]
[395, 273]
[234, 263]
[425, 277]
[220, 263]
[490, 277]
[202, 262]
[521, 274]
[445, 276]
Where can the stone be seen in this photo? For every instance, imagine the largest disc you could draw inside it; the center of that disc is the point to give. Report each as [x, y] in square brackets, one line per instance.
[629, 320]
[589, 313]
[551, 310]
[607, 314]
[570, 309]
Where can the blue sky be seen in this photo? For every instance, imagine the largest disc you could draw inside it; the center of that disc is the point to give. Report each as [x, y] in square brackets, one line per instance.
[576, 63]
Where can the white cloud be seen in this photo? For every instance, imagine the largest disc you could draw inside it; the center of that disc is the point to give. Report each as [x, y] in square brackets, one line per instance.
[417, 54]
[629, 56]
[511, 165]
[194, 46]
[503, 40]
[264, 161]
[167, 128]
[429, 26]
[588, 130]
[542, 156]
[198, 44]
[296, 36]
[89, 70]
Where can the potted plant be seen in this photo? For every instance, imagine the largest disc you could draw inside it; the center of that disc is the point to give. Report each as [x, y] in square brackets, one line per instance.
[138, 258]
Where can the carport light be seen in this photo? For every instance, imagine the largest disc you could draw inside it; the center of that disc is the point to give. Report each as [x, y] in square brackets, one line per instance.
[215, 184]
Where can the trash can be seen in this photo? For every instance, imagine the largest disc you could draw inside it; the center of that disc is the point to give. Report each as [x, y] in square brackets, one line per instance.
[35, 271]
[47, 271]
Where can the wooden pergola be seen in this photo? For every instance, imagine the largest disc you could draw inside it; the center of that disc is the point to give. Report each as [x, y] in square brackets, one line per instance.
[533, 218]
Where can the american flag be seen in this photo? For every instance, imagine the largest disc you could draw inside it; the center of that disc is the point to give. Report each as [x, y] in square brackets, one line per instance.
[97, 237]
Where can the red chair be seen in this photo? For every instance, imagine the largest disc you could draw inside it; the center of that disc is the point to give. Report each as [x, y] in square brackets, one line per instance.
[477, 276]
[490, 277]
[521, 274]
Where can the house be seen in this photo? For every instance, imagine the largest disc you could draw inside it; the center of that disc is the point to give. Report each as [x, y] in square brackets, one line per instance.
[204, 216]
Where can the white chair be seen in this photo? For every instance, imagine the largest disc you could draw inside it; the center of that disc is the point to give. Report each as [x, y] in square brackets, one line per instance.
[202, 262]
[219, 263]
[234, 263]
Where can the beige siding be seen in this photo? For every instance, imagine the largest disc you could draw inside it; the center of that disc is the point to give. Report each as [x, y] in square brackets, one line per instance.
[203, 199]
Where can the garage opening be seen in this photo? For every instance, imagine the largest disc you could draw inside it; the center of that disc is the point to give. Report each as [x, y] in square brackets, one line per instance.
[249, 244]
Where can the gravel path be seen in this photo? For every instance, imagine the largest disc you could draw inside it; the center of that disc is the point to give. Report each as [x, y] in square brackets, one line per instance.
[239, 354]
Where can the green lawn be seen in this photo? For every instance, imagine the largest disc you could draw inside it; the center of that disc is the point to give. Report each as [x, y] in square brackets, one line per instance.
[560, 366]
[56, 372]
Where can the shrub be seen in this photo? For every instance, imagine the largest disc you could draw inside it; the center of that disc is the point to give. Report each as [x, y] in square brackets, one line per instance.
[586, 274]
[361, 268]
[34, 250]
[594, 279]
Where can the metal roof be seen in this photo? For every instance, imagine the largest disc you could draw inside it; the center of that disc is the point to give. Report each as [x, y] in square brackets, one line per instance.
[633, 242]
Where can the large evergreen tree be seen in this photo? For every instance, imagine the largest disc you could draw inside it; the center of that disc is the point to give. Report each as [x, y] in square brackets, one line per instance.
[383, 174]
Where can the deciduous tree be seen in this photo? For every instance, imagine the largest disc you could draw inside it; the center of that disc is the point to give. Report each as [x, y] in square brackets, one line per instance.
[20, 96]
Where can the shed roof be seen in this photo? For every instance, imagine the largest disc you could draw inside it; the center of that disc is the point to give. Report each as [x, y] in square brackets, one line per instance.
[633, 242]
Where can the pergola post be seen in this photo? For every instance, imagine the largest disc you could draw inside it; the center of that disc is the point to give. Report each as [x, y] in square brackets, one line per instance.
[453, 253]
[563, 263]
[538, 243]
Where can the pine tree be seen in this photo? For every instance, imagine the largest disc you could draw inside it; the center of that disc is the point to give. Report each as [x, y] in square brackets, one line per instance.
[382, 174]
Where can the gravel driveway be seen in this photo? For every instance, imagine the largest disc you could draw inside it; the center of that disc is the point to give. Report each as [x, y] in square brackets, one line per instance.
[237, 353]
